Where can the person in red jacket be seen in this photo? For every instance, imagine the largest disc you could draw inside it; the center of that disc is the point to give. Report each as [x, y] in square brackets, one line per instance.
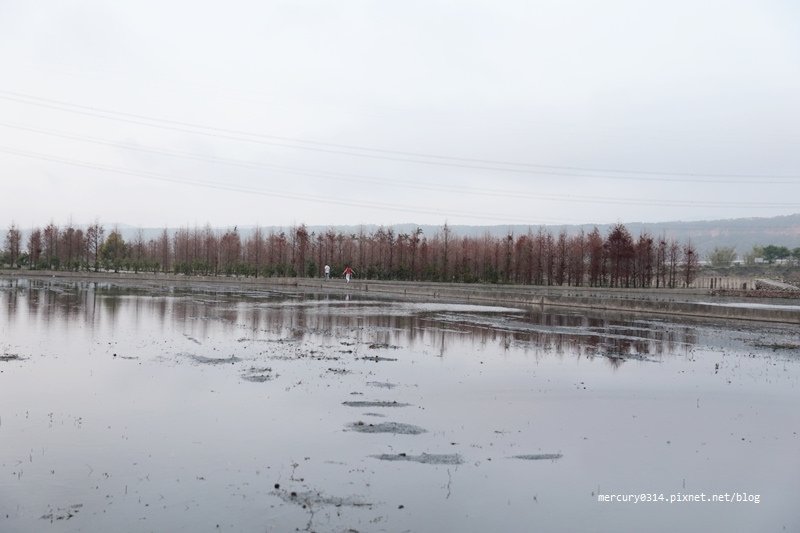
[347, 273]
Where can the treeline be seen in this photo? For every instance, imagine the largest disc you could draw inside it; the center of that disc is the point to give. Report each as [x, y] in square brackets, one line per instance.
[772, 253]
[537, 257]
[726, 256]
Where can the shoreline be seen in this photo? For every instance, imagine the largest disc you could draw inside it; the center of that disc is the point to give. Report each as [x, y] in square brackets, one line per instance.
[689, 302]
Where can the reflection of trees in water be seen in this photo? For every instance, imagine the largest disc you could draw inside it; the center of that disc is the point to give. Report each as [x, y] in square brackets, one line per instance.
[111, 306]
[41, 301]
[11, 298]
[328, 321]
[594, 335]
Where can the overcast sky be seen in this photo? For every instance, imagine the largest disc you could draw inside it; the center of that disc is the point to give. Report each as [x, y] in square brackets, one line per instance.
[156, 113]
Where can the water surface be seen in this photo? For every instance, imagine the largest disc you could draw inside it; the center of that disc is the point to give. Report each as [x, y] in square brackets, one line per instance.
[165, 409]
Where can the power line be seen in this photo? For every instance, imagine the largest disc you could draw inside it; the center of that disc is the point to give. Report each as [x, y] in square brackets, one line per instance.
[262, 192]
[401, 183]
[391, 155]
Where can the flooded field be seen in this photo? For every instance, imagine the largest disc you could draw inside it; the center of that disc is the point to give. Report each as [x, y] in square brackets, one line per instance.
[166, 409]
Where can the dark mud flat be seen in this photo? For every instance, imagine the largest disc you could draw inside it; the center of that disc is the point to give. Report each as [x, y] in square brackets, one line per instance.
[62, 514]
[381, 384]
[538, 457]
[425, 458]
[233, 416]
[258, 375]
[377, 358]
[396, 428]
[626, 357]
[357, 403]
[778, 346]
[312, 498]
[202, 360]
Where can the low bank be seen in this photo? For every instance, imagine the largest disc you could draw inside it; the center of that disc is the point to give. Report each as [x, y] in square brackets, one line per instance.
[691, 302]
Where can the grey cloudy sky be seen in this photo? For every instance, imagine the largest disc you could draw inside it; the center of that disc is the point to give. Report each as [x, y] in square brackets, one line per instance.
[160, 113]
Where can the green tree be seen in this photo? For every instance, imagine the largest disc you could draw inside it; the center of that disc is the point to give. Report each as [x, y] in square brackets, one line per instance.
[94, 236]
[751, 256]
[772, 252]
[113, 251]
[722, 257]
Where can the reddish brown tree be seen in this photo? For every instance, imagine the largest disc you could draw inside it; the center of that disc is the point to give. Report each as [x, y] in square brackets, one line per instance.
[620, 252]
[230, 252]
[164, 251]
[301, 240]
[13, 243]
[661, 262]
[50, 237]
[577, 259]
[690, 263]
[208, 254]
[446, 237]
[596, 251]
[416, 237]
[35, 248]
[644, 259]
[673, 259]
[560, 259]
[508, 258]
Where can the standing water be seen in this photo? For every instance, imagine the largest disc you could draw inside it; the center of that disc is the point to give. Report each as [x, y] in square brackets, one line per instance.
[148, 408]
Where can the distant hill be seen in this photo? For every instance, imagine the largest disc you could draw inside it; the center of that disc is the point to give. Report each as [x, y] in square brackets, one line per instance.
[740, 233]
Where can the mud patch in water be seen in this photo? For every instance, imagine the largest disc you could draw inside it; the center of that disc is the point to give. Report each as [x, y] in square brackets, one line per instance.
[539, 456]
[382, 384]
[619, 357]
[378, 359]
[258, 375]
[310, 498]
[192, 339]
[202, 360]
[777, 345]
[62, 514]
[386, 427]
[425, 458]
[248, 339]
[374, 404]
[10, 357]
[310, 354]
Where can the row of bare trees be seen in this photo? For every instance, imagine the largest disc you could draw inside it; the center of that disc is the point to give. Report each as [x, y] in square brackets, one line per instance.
[69, 248]
[537, 257]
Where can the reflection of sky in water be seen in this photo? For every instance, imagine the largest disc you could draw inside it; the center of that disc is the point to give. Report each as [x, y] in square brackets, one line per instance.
[172, 433]
[307, 315]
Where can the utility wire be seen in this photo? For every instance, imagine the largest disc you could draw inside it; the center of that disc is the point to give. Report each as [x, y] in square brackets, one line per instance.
[374, 153]
[401, 183]
[263, 192]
